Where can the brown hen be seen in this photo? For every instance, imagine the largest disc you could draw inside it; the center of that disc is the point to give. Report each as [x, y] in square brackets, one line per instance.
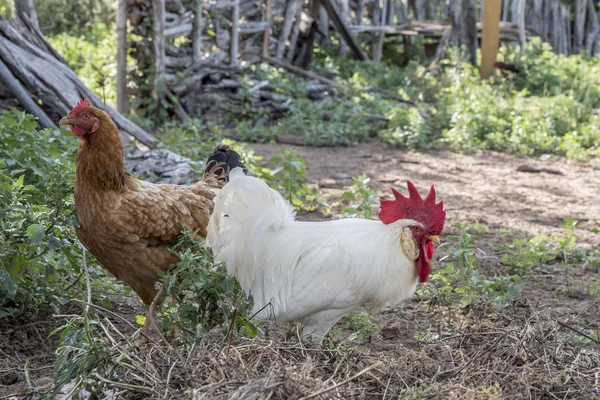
[127, 223]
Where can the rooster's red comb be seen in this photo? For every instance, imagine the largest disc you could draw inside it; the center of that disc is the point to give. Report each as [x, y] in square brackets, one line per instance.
[425, 211]
[82, 103]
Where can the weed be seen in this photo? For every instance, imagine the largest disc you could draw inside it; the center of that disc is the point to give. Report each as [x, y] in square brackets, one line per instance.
[289, 178]
[362, 326]
[461, 283]
[205, 296]
[365, 196]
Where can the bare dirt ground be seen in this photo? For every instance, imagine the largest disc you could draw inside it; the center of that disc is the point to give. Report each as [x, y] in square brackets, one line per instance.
[484, 186]
[525, 351]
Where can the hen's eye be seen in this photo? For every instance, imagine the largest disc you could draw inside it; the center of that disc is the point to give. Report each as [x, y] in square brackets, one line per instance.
[86, 116]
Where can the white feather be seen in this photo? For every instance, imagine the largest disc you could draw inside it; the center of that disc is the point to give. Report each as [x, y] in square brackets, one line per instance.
[312, 273]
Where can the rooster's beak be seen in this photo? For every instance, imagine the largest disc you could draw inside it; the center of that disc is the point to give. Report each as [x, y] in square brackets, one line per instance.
[66, 121]
[434, 238]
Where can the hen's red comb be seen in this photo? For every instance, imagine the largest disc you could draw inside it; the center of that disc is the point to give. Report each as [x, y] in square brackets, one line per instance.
[425, 211]
[82, 103]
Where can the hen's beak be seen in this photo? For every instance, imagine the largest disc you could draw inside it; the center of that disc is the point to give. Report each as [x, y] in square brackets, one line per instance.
[434, 238]
[66, 121]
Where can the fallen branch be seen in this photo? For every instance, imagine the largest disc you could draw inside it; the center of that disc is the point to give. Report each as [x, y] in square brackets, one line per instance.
[343, 29]
[535, 170]
[298, 71]
[9, 80]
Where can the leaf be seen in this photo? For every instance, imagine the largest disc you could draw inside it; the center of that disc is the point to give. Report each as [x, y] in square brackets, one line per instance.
[348, 196]
[72, 260]
[54, 242]
[35, 234]
[19, 182]
[17, 266]
[106, 303]
[140, 320]
[249, 330]
[8, 284]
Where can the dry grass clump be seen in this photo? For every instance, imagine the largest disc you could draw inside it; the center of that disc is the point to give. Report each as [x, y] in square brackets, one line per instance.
[517, 352]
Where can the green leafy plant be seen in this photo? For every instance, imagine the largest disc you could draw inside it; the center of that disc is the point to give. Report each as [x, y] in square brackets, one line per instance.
[205, 295]
[362, 326]
[461, 282]
[289, 178]
[39, 253]
[365, 196]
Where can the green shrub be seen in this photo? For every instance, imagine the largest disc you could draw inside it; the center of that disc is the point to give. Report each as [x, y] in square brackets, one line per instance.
[40, 256]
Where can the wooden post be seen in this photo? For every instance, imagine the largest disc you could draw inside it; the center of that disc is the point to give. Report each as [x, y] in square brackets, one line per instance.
[345, 14]
[288, 22]
[197, 33]
[295, 32]
[490, 36]
[265, 51]
[158, 45]
[122, 97]
[235, 34]
[378, 45]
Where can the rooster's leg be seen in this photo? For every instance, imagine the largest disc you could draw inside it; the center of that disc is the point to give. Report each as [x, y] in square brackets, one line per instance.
[150, 316]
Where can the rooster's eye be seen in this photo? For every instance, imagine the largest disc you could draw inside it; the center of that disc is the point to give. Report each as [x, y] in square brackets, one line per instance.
[86, 116]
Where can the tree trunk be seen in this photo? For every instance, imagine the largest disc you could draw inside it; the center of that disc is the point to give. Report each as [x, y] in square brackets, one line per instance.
[580, 15]
[122, 96]
[538, 21]
[593, 37]
[12, 84]
[521, 19]
[556, 27]
[158, 46]
[464, 27]
[25, 10]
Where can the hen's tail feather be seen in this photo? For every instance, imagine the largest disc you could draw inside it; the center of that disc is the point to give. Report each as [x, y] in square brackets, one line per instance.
[221, 162]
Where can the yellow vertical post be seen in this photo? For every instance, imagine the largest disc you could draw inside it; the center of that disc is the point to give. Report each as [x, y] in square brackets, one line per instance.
[490, 36]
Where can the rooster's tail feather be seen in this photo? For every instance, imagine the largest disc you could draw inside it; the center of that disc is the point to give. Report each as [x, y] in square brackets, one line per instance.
[245, 209]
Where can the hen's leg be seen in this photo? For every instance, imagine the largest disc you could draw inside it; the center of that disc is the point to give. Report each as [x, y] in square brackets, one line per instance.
[150, 316]
[319, 324]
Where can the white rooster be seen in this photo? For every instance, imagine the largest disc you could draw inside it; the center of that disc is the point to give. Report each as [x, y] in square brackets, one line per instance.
[314, 273]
